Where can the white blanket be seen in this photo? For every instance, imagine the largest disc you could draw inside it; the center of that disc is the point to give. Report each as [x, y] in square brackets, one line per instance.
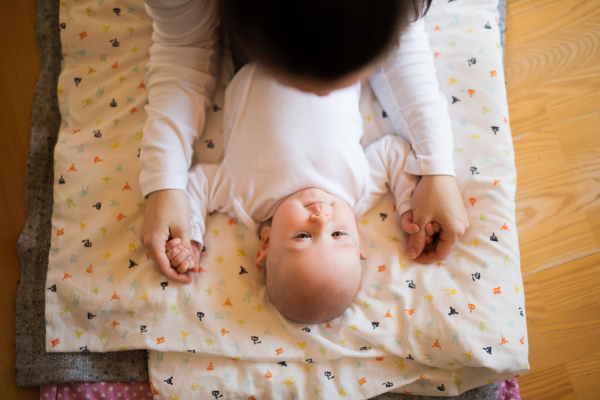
[437, 329]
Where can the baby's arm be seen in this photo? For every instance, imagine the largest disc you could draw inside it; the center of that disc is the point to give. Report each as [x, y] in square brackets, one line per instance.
[201, 178]
[387, 159]
[387, 163]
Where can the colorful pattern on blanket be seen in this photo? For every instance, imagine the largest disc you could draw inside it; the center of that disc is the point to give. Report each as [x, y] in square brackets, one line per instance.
[436, 329]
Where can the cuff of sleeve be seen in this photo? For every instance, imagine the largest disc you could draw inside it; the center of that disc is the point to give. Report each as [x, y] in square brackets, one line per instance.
[197, 229]
[404, 207]
[424, 165]
[153, 183]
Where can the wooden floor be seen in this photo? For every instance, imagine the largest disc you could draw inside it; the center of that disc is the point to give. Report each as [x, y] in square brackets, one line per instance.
[553, 80]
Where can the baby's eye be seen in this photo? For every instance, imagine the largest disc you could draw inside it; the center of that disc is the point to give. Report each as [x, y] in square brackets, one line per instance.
[338, 233]
[302, 236]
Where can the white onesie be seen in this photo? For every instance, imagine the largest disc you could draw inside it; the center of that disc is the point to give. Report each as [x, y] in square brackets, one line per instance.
[182, 76]
[279, 140]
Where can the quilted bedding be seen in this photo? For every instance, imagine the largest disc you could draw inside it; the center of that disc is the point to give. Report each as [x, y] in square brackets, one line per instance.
[437, 329]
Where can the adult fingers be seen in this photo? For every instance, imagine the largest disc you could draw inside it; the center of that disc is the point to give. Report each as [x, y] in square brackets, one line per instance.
[407, 223]
[442, 249]
[157, 252]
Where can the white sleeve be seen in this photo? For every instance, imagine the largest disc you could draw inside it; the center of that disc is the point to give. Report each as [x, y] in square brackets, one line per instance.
[201, 178]
[407, 87]
[387, 158]
[181, 80]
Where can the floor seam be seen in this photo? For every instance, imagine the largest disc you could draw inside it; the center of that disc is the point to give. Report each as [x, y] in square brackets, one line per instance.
[556, 124]
[567, 260]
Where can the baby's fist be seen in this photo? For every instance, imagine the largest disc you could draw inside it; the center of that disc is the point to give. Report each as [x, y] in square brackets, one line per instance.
[180, 255]
[431, 229]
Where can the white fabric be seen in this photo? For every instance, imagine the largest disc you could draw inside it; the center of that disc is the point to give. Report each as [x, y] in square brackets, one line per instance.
[114, 282]
[407, 88]
[279, 140]
[181, 80]
[182, 74]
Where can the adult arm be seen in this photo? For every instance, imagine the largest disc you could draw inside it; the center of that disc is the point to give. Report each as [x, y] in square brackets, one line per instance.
[406, 85]
[181, 79]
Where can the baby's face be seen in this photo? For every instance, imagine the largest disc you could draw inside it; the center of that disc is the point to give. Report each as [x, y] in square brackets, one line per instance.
[311, 221]
[313, 261]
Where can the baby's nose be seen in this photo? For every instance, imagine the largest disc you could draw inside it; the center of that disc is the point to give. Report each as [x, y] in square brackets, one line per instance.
[320, 214]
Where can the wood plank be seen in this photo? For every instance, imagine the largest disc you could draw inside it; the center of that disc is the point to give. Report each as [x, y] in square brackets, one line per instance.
[580, 143]
[571, 285]
[553, 193]
[572, 95]
[593, 216]
[535, 309]
[536, 18]
[564, 337]
[551, 56]
[18, 75]
[552, 243]
[550, 194]
[550, 383]
[537, 157]
[585, 376]
[527, 110]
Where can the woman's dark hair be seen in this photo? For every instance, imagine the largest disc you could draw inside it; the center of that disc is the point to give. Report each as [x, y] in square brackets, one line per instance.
[321, 39]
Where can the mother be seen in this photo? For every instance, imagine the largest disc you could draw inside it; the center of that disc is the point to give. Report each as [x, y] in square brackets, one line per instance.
[315, 46]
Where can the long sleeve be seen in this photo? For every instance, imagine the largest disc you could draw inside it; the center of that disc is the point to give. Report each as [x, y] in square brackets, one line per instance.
[407, 87]
[201, 180]
[387, 158]
[181, 80]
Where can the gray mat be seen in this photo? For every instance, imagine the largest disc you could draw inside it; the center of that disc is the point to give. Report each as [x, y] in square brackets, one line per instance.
[34, 366]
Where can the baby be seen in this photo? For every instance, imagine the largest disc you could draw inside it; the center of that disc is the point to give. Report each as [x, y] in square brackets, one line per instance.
[295, 159]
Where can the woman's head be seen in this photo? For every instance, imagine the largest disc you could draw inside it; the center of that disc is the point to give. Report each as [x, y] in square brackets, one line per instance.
[320, 44]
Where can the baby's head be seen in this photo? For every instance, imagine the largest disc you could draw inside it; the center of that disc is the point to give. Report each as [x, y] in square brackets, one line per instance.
[312, 256]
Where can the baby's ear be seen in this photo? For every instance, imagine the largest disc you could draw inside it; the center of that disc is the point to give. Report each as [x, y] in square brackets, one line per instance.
[263, 248]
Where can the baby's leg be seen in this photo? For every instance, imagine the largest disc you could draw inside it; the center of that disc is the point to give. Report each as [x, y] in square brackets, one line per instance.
[179, 255]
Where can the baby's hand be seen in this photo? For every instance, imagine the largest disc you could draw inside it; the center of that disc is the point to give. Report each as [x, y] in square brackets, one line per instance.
[180, 256]
[431, 229]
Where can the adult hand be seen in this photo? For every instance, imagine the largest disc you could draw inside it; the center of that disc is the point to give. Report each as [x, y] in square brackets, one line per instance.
[167, 216]
[435, 199]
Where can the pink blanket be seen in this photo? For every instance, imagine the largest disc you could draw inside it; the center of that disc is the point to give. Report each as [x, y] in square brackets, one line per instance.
[507, 390]
[96, 390]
